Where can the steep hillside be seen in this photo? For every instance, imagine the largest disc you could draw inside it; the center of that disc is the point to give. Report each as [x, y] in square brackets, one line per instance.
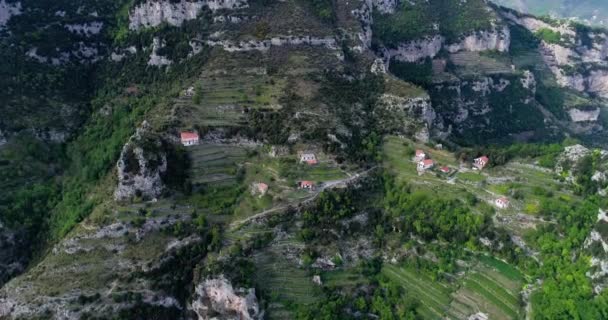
[301, 198]
[588, 11]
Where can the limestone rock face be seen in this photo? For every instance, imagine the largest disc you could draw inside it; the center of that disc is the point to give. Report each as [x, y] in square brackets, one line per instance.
[416, 50]
[141, 166]
[7, 10]
[499, 40]
[408, 115]
[578, 115]
[597, 82]
[153, 12]
[155, 59]
[385, 6]
[217, 299]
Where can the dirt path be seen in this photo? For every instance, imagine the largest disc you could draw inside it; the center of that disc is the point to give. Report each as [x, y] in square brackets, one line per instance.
[325, 186]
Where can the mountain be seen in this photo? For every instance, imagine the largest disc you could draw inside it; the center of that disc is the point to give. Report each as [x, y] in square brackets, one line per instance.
[592, 12]
[339, 166]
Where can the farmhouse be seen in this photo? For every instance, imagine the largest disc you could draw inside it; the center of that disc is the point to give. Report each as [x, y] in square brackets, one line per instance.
[259, 188]
[502, 203]
[308, 158]
[481, 162]
[308, 185]
[420, 155]
[445, 169]
[189, 138]
[425, 164]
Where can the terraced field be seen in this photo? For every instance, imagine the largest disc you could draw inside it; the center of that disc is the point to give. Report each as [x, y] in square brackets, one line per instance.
[491, 287]
[217, 164]
[283, 282]
[434, 297]
[222, 99]
[471, 63]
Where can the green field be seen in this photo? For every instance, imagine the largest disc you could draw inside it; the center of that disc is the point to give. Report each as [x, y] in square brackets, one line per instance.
[217, 164]
[491, 287]
[283, 282]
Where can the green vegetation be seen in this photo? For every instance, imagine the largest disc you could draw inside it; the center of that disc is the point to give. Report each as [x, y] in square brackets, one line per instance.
[549, 35]
[418, 73]
[416, 19]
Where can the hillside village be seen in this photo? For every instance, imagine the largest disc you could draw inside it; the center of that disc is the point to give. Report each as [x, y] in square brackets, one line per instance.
[306, 160]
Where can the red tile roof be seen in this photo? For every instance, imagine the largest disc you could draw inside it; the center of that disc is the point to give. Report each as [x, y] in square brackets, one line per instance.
[428, 162]
[262, 187]
[445, 169]
[307, 183]
[483, 159]
[189, 136]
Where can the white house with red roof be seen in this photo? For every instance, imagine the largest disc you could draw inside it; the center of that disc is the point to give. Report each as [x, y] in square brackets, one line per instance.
[189, 138]
[445, 169]
[425, 164]
[259, 188]
[308, 185]
[502, 203]
[420, 155]
[308, 158]
[481, 162]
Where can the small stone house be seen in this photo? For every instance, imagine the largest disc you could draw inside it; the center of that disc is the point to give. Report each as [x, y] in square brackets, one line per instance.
[425, 164]
[502, 203]
[189, 138]
[481, 162]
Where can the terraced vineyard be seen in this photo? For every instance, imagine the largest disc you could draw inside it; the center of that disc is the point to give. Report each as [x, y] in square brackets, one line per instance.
[470, 63]
[491, 287]
[221, 99]
[217, 164]
[284, 282]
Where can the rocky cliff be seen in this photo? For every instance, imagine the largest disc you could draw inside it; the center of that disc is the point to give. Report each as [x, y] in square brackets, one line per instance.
[154, 12]
[7, 10]
[217, 299]
[141, 166]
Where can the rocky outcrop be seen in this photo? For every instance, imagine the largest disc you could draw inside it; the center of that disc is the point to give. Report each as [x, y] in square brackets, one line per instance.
[154, 12]
[119, 54]
[576, 65]
[598, 246]
[578, 115]
[217, 299]
[385, 6]
[497, 40]
[264, 45]
[416, 50]
[141, 165]
[155, 59]
[7, 10]
[597, 83]
[85, 29]
[534, 24]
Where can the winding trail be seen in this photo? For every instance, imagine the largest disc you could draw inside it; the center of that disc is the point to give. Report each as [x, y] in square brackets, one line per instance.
[325, 186]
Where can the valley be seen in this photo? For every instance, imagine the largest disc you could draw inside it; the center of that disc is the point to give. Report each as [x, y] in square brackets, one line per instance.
[259, 159]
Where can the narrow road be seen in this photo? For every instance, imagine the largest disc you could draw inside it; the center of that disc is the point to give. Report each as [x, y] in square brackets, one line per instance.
[326, 185]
